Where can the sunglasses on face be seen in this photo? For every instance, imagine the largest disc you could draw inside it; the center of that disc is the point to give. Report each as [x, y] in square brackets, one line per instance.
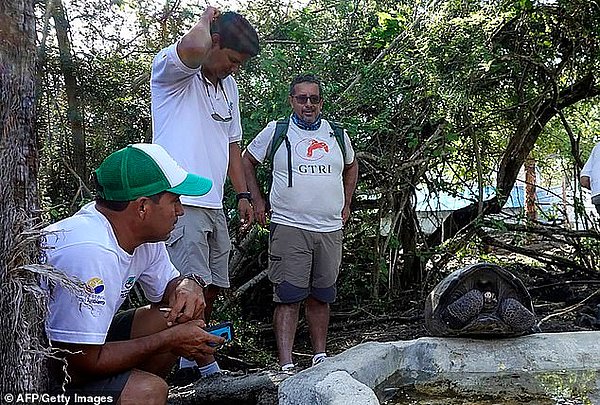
[302, 99]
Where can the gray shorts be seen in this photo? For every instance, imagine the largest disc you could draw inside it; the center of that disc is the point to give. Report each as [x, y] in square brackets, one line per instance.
[303, 263]
[200, 244]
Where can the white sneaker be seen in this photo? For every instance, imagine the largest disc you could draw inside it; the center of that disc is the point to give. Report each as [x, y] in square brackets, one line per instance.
[289, 369]
[319, 358]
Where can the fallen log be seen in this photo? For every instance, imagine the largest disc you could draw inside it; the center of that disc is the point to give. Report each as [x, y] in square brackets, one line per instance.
[255, 388]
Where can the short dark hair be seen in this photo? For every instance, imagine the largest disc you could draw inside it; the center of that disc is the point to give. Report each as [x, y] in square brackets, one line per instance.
[306, 78]
[236, 33]
[118, 206]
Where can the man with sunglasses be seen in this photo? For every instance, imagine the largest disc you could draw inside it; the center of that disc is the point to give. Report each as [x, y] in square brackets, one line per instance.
[308, 213]
[196, 118]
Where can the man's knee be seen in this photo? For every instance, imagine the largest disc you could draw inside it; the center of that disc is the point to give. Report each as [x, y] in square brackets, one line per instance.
[287, 293]
[325, 295]
[147, 320]
[144, 388]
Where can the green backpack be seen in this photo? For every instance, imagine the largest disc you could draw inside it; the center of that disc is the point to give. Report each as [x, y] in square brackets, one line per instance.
[280, 136]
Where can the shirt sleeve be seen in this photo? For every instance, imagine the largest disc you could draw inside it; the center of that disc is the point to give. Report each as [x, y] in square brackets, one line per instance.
[235, 128]
[349, 149]
[160, 271]
[168, 71]
[262, 142]
[83, 316]
[592, 162]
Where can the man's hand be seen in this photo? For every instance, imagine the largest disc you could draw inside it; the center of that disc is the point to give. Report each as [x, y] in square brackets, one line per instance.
[194, 46]
[260, 210]
[585, 182]
[246, 213]
[186, 302]
[345, 214]
[211, 14]
[192, 342]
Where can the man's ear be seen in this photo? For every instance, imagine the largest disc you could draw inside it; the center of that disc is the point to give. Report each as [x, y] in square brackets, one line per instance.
[142, 204]
[216, 40]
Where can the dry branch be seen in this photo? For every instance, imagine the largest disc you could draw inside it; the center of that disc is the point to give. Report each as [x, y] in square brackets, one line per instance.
[542, 256]
[569, 309]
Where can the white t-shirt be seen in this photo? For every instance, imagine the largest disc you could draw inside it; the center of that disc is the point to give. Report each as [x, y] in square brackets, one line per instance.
[84, 246]
[182, 123]
[316, 198]
[592, 170]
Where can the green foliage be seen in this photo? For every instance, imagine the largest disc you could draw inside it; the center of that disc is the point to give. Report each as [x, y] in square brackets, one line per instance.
[431, 93]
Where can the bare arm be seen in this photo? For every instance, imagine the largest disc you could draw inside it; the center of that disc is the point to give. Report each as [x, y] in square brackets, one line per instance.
[195, 44]
[238, 180]
[187, 339]
[250, 163]
[585, 182]
[350, 177]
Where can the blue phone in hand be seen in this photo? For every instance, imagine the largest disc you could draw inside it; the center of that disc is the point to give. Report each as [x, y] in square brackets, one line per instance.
[224, 329]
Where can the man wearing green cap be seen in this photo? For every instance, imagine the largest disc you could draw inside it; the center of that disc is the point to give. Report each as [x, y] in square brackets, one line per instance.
[109, 245]
[196, 118]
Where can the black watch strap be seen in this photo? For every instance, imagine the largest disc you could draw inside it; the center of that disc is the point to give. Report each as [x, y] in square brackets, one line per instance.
[245, 195]
[199, 280]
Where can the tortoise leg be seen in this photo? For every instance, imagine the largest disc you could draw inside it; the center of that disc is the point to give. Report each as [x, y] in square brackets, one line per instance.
[514, 314]
[463, 310]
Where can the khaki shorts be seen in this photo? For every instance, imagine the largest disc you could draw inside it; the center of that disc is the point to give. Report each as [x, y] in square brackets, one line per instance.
[200, 244]
[303, 263]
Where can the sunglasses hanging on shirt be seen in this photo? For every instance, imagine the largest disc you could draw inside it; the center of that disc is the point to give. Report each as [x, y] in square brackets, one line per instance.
[215, 115]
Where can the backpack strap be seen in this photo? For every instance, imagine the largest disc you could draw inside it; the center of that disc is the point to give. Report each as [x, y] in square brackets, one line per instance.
[338, 133]
[280, 136]
[280, 133]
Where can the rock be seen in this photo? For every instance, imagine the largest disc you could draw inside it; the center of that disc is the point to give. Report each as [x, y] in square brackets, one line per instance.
[545, 365]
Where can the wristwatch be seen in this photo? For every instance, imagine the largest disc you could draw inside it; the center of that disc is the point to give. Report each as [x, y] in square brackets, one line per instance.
[245, 194]
[199, 280]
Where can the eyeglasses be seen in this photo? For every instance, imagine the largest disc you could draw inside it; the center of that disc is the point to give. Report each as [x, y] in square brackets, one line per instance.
[215, 115]
[302, 99]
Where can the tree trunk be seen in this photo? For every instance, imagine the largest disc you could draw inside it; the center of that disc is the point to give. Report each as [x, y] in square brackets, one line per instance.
[21, 323]
[74, 109]
[530, 199]
[412, 270]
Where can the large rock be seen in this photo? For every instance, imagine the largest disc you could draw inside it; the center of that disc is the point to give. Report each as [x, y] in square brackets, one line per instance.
[548, 365]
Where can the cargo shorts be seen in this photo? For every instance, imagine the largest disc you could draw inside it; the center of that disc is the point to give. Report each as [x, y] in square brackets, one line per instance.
[303, 263]
[200, 244]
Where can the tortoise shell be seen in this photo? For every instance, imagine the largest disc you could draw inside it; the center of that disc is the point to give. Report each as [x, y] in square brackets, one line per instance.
[480, 300]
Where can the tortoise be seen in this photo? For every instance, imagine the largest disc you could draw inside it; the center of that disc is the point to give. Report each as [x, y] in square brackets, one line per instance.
[482, 300]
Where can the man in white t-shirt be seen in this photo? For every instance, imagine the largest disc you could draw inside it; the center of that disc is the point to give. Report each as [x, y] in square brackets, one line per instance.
[196, 118]
[314, 177]
[109, 245]
[590, 176]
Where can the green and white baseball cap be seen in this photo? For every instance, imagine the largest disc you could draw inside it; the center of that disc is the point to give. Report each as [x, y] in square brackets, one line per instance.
[145, 169]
